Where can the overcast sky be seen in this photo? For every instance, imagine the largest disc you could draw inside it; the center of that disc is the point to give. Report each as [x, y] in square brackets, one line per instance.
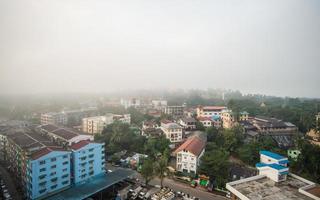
[268, 46]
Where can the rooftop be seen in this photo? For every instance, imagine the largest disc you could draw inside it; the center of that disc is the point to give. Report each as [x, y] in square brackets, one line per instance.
[45, 151]
[195, 145]
[263, 188]
[272, 155]
[213, 108]
[80, 144]
[93, 185]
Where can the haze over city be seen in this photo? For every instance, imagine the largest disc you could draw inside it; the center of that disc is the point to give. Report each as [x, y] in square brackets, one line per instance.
[267, 47]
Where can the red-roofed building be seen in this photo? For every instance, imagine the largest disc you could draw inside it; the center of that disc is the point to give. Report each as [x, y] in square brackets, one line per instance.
[79, 145]
[188, 155]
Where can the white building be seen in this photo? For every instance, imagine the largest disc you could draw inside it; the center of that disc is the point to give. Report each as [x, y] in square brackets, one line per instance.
[188, 155]
[95, 125]
[209, 111]
[173, 110]
[159, 104]
[133, 102]
[188, 123]
[172, 131]
[273, 182]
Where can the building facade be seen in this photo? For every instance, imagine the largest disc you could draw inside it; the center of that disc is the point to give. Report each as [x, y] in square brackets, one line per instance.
[172, 131]
[48, 172]
[173, 110]
[95, 125]
[209, 111]
[88, 160]
[188, 155]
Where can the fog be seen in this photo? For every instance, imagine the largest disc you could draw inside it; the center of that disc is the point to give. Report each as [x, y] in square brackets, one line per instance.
[60, 46]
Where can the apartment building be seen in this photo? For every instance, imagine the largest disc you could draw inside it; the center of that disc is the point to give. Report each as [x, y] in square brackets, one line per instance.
[95, 125]
[172, 131]
[44, 165]
[273, 182]
[88, 160]
[188, 155]
[209, 111]
[73, 117]
[173, 110]
[188, 123]
[63, 136]
[48, 172]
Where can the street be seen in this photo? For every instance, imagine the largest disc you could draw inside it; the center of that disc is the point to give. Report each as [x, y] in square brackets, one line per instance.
[177, 186]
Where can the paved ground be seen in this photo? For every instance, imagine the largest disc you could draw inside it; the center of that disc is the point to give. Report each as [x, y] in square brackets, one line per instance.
[6, 177]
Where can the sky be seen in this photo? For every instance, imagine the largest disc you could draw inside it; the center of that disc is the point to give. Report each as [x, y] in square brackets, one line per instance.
[59, 46]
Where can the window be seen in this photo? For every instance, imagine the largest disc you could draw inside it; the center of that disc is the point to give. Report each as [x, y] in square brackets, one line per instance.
[42, 169]
[53, 173]
[65, 182]
[65, 162]
[53, 166]
[42, 162]
[90, 150]
[42, 176]
[42, 191]
[65, 169]
[53, 159]
[54, 186]
[54, 179]
[65, 156]
[42, 183]
[65, 176]
[91, 156]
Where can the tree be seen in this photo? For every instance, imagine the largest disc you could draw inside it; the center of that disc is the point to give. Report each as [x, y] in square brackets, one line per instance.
[199, 126]
[147, 170]
[161, 168]
[212, 134]
[215, 165]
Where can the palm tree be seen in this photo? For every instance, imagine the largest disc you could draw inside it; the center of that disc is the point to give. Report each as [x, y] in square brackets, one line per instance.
[161, 169]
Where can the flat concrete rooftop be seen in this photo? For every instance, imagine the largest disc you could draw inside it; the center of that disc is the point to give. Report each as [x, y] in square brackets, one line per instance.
[266, 189]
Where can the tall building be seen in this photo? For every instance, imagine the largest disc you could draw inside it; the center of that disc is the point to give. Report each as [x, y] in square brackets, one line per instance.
[228, 119]
[172, 131]
[273, 182]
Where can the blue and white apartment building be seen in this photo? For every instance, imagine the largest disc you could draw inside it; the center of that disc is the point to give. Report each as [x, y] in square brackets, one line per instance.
[48, 171]
[46, 167]
[88, 160]
[274, 181]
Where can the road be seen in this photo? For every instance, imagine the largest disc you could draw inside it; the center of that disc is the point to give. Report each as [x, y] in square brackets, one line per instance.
[177, 186]
[8, 180]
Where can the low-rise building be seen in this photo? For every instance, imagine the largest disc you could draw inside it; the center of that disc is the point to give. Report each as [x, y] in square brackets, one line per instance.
[188, 123]
[95, 125]
[273, 182]
[188, 155]
[228, 119]
[209, 111]
[172, 131]
[63, 135]
[159, 104]
[173, 110]
[266, 125]
[71, 117]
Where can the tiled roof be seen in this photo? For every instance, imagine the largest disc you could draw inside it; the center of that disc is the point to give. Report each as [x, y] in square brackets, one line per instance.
[49, 127]
[204, 119]
[80, 144]
[42, 152]
[66, 134]
[194, 145]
